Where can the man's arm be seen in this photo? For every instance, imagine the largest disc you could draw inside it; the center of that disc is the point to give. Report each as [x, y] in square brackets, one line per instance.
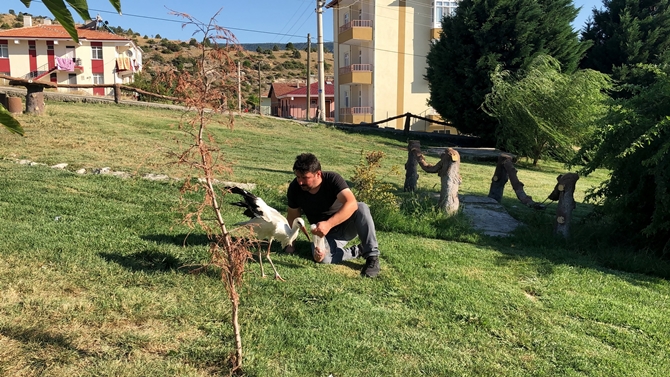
[292, 214]
[349, 206]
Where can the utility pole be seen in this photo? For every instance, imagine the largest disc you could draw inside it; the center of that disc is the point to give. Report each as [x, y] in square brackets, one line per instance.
[259, 89]
[309, 61]
[322, 81]
[239, 88]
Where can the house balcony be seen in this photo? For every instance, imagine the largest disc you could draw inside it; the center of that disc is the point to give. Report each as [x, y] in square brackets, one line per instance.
[356, 74]
[356, 115]
[435, 33]
[49, 68]
[355, 32]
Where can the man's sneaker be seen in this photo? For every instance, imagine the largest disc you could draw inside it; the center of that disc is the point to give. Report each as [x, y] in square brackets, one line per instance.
[371, 268]
[355, 251]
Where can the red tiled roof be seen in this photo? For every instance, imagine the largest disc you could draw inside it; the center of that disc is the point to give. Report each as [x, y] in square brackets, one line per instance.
[58, 32]
[313, 91]
[281, 88]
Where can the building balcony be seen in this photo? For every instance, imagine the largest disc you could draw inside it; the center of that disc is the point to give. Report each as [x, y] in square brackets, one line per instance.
[356, 115]
[356, 74]
[73, 65]
[435, 33]
[355, 32]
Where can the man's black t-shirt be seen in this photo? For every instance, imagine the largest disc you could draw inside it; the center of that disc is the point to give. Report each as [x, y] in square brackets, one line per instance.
[322, 205]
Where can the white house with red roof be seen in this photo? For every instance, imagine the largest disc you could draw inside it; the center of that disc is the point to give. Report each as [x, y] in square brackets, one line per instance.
[46, 52]
[289, 100]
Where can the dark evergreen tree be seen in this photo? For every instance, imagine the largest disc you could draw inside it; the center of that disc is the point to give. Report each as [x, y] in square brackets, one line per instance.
[484, 34]
[625, 33]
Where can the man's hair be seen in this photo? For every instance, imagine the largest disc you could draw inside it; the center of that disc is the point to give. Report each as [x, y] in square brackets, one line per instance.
[306, 163]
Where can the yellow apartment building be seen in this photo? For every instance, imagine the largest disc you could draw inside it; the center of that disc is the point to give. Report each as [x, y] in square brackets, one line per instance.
[380, 49]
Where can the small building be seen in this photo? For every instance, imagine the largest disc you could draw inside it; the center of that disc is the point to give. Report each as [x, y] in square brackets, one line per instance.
[47, 52]
[289, 100]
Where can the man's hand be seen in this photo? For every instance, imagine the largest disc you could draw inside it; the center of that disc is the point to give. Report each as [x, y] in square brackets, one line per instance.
[322, 228]
[290, 249]
[319, 255]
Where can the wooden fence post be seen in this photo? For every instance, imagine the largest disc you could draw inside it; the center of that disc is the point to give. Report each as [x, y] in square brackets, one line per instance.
[117, 93]
[408, 119]
[411, 171]
[35, 99]
[448, 168]
[564, 192]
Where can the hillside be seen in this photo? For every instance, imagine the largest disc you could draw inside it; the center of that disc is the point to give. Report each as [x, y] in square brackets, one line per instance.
[279, 65]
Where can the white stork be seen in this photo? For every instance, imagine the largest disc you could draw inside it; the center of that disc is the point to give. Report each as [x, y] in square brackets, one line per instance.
[268, 224]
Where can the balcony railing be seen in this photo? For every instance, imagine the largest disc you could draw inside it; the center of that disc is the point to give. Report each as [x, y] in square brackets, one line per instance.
[355, 110]
[355, 23]
[356, 68]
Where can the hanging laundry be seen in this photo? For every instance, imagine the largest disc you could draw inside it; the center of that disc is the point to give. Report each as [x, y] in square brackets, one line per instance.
[65, 63]
[123, 64]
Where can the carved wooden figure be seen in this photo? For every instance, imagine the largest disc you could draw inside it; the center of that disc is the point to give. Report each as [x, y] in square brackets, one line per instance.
[448, 168]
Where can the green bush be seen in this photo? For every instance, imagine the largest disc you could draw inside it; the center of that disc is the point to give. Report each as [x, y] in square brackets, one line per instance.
[634, 143]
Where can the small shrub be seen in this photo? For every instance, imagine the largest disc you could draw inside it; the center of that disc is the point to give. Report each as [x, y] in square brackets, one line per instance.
[369, 188]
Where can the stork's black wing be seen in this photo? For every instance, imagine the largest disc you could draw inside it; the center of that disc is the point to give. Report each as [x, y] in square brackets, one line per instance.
[250, 202]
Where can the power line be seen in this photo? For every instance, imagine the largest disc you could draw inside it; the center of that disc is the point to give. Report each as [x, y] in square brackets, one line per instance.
[289, 21]
[181, 22]
[298, 19]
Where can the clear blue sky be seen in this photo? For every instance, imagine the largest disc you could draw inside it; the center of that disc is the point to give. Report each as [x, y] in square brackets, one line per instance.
[252, 21]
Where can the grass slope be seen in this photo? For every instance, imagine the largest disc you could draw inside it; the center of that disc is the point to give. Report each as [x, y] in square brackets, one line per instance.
[94, 271]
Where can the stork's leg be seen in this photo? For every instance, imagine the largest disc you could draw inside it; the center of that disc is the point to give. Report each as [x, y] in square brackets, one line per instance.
[277, 277]
[260, 259]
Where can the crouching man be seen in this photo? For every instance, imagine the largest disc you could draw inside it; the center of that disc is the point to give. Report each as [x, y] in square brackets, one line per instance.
[328, 203]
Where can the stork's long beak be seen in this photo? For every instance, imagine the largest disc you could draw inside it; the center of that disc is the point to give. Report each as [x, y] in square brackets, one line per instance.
[304, 230]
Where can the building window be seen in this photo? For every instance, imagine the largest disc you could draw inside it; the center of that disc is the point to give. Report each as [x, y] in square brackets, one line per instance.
[4, 50]
[98, 78]
[50, 47]
[96, 52]
[443, 9]
[346, 18]
[346, 99]
[346, 59]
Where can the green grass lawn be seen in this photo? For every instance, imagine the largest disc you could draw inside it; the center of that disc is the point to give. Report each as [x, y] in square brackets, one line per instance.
[95, 271]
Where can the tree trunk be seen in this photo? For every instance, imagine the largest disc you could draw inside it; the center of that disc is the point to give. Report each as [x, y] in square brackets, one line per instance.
[35, 100]
[451, 181]
[449, 170]
[411, 171]
[517, 186]
[499, 179]
[566, 203]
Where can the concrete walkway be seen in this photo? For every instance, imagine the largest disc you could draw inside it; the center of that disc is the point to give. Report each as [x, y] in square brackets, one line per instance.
[487, 216]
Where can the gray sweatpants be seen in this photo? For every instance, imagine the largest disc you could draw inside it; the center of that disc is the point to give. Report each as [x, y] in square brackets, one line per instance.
[359, 224]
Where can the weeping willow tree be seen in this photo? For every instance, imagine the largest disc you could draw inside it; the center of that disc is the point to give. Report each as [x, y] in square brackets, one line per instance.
[543, 111]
